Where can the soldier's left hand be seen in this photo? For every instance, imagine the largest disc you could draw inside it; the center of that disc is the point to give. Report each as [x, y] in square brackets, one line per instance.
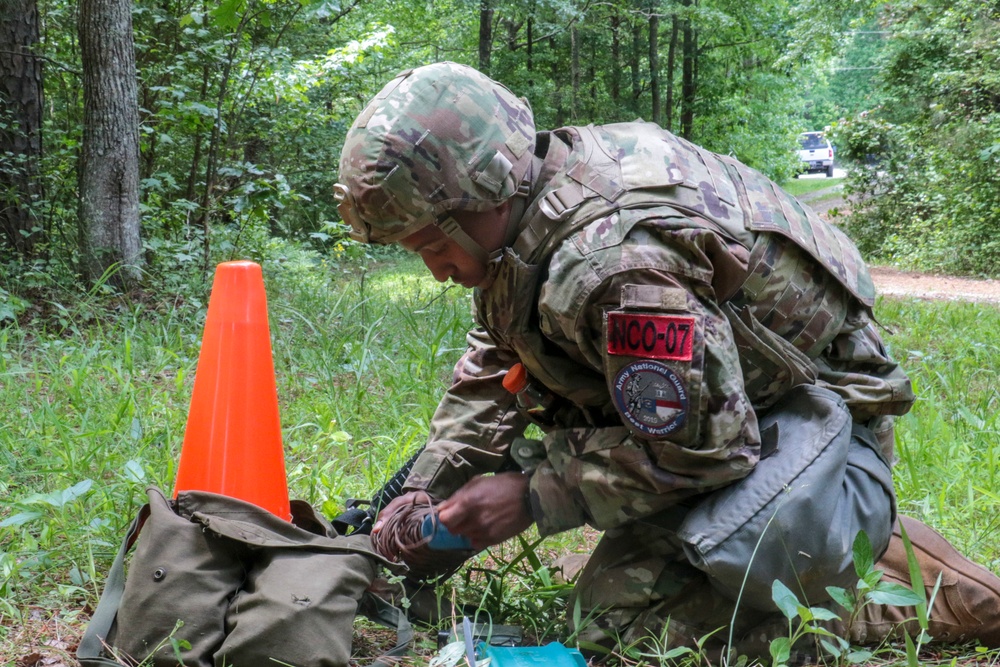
[488, 510]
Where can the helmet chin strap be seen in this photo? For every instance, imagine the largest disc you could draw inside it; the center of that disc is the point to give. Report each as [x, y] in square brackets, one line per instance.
[518, 203]
[454, 231]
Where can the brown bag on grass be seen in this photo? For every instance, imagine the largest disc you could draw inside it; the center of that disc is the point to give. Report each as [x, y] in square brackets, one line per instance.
[216, 581]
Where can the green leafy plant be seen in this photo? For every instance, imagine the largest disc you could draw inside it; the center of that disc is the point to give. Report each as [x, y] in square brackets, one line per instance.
[805, 621]
[658, 651]
[870, 588]
[922, 604]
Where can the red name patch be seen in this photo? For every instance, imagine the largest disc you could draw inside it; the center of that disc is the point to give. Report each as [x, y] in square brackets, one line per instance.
[651, 336]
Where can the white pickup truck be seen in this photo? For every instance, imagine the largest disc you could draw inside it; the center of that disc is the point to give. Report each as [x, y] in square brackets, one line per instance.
[816, 153]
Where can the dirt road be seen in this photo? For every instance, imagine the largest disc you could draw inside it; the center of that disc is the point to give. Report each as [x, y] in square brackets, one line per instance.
[831, 205]
[893, 282]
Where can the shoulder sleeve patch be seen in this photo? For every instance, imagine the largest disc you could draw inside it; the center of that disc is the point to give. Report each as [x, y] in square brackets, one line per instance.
[651, 397]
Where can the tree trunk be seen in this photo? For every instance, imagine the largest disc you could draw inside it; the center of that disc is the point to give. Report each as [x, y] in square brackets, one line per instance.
[557, 74]
[574, 70]
[485, 35]
[20, 125]
[592, 80]
[671, 61]
[634, 64]
[192, 180]
[531, 47]
[215, 146]
[654, 64]
[109, 157]
[690, 55]
[616, 58]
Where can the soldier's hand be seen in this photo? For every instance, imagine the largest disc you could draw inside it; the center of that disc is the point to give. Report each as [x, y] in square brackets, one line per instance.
[488, 510]
[397, 536]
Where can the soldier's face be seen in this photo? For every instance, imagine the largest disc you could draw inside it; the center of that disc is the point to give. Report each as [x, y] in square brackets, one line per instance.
[446, 259]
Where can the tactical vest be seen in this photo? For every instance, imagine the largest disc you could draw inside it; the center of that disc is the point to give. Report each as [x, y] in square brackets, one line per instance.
[625, 166]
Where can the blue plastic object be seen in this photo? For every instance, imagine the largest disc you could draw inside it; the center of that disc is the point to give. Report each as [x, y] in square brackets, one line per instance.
[440, 538]
[550, 655]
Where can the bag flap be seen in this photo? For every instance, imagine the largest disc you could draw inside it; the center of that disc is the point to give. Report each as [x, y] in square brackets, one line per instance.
[245, 522]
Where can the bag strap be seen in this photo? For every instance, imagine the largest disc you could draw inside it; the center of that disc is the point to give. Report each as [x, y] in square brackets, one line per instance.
[90, 652]
[376, 609]
[357, 521]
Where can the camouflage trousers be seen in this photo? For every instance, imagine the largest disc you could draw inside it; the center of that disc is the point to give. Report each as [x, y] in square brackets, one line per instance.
[639, 588]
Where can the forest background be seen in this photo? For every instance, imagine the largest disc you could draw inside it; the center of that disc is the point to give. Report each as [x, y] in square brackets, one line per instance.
[143, 142]
[160, 136]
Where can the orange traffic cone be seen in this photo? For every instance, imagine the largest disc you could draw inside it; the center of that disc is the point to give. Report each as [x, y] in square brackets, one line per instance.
[232, 443]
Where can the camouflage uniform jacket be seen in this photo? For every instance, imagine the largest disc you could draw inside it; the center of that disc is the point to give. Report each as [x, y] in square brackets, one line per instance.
[665, 296]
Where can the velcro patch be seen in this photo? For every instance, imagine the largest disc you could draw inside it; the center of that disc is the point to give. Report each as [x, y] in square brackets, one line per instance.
[651, 336]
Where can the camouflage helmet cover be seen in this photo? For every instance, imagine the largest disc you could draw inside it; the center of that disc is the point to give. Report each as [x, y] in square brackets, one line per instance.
[438, 138]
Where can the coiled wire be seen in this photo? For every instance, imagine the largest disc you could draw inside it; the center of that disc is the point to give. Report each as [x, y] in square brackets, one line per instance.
[398, 538]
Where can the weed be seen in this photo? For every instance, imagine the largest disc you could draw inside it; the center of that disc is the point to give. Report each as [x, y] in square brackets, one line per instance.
[870, 589]
[519, 590]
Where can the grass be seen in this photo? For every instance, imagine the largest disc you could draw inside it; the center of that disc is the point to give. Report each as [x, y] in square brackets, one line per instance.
[949, 444]
[801, 186]
[94, 410]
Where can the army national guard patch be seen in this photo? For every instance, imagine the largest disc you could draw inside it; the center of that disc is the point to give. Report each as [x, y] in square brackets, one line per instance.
[651, 397]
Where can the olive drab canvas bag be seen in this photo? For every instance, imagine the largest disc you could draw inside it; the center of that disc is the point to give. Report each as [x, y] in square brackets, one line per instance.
[218, 582]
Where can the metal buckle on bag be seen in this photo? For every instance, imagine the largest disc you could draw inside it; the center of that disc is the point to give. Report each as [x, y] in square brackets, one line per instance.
[360, 231]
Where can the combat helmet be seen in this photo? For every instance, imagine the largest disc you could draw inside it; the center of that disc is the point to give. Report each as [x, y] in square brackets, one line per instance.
[436, 139]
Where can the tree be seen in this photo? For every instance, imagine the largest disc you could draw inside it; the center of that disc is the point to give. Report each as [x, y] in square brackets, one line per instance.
[671, 63]
[654, 63]
[20, 124]
[928, 159]
[485, 35]
[689, 72]
[109, 158]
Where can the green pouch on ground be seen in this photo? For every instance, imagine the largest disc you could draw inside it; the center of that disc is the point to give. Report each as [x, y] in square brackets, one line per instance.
[794, 518]
[216, 581]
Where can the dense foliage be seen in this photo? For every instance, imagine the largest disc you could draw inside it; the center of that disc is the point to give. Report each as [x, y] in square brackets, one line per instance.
[927, 189]
[244, 104]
